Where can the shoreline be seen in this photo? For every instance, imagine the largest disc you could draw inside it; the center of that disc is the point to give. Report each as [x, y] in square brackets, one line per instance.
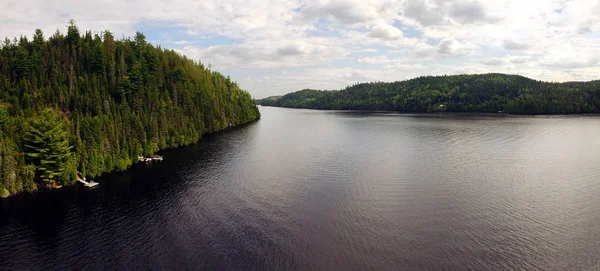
[438, 113]
[42, 188]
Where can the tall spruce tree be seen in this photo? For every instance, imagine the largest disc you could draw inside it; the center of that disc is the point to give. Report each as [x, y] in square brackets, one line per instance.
[47, 144]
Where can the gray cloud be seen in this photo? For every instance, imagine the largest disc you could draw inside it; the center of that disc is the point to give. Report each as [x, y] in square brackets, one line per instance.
[290, 50]
[584, 29]
[462, 12]
[469, 12]
[342, 12]
[452, 47]
[350, 12]
[418, 10]
[513, 45]
[445, 46]
[520, 59]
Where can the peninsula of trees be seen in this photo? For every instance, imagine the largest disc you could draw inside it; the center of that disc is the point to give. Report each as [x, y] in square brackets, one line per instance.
[460, 93]
[91, 104]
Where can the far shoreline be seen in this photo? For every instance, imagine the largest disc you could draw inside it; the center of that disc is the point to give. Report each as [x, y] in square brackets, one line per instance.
[479, 113]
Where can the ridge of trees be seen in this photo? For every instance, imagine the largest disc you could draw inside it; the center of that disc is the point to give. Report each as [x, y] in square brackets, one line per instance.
[458, 93]
[91, 103]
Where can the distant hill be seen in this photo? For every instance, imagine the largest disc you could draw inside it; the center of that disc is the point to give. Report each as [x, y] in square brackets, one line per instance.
[457, 93]
[268, 101]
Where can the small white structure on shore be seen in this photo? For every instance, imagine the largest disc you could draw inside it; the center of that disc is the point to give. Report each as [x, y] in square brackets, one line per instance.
[156, 157]
[89, 184]
[149, 159]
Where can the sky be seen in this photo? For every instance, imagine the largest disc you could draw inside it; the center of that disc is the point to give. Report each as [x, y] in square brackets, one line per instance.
[276, 47]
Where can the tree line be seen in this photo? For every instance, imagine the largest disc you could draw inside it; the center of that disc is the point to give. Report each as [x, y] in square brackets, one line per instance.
[459, 93]
[90, 103]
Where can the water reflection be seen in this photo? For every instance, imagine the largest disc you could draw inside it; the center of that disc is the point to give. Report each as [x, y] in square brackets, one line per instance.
[304, 189]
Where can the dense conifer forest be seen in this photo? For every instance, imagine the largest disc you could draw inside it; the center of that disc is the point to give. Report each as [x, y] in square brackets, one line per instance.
[459, 93]
[89, 103]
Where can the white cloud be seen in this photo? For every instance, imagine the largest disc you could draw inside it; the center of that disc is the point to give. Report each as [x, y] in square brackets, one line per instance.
[519, 59]
[452, 47]
[321, 43]
[495, 61]
[351, 12]
[178, 42]
[386, 32]
[367, 50]
[509, 60]
[404, 67]
[266, 54]
[374, 60]
[571, 63]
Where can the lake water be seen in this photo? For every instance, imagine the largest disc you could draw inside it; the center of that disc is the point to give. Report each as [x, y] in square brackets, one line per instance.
[320, 190]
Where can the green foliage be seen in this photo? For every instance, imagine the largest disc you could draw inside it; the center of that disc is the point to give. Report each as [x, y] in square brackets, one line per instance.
[269, 101]
[460, 93]
[68, 175]
[3, 117]
[28, 175]
[72, 33]
[8, 166]
[90, 103]
[46, 144]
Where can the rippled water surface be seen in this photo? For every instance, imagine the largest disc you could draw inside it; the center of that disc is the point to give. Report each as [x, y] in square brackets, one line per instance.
[320, 190]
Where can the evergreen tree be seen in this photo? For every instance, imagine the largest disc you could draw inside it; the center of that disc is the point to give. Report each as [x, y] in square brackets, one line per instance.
[92, 104]
[47, 145]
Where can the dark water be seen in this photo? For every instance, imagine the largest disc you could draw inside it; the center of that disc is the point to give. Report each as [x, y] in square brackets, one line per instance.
[334, 191]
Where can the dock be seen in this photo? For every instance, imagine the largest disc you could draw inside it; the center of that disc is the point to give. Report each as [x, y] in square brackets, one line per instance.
[156, 157]
[150, 158]
[85, 183]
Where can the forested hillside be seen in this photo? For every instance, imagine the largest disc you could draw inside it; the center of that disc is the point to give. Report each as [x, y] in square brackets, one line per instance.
[459, 93]
[90, 103]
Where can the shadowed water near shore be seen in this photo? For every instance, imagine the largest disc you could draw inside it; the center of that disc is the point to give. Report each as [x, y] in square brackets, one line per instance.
[304, 189]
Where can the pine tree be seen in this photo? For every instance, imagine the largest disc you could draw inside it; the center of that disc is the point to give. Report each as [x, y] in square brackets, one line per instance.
[47, 144]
